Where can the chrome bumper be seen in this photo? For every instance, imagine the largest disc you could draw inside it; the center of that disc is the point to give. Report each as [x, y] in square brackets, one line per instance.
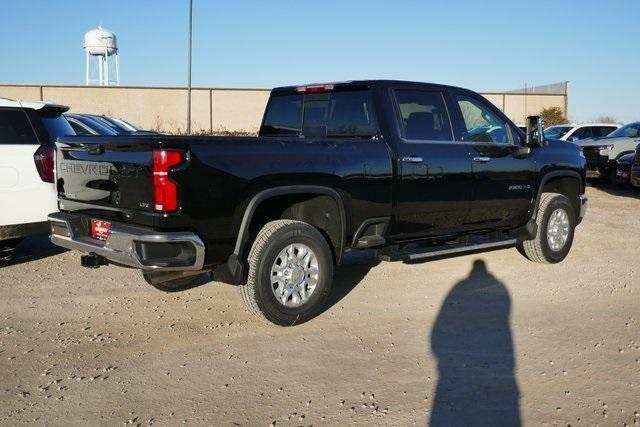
[71, 231]
[584, 201]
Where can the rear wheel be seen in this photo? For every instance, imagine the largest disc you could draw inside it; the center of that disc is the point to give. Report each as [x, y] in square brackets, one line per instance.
[554, 237]
[290, 273]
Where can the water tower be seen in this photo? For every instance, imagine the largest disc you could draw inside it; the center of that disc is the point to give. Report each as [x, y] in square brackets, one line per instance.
[101, 44]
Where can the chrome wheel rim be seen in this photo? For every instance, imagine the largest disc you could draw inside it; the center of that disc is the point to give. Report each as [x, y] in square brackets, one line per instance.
[294, 275]
[558, 229]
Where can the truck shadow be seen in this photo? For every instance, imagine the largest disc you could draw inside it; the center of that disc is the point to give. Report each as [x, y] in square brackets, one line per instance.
[32, 249]
[349, 274]
[472, 342]
[618, 191]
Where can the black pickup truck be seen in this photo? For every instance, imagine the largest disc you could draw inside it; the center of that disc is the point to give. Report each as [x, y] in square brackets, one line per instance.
[414, 170]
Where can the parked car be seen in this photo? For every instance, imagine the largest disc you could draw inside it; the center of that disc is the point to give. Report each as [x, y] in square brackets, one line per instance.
[121, 127]
[634, 174]
[574, 133]
[27, 134]
[86, 125]
[602, 153]
[623, 170]
[397, 166]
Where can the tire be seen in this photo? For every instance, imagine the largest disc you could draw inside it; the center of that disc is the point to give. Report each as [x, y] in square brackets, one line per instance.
[269, 267]
[539, 249]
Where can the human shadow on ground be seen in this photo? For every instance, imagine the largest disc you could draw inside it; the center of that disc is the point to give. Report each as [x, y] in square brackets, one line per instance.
[472, 342]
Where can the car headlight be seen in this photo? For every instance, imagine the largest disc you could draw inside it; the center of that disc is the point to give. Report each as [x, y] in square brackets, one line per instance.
[605, 150]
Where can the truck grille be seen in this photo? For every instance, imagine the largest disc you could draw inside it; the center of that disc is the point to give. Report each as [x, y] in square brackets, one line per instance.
[594, 159]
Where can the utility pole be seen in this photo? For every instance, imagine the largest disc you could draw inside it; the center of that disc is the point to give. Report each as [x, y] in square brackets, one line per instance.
[189, 71]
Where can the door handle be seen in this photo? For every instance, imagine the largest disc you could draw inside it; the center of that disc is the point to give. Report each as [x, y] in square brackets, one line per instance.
[481, 159]
[412, 159]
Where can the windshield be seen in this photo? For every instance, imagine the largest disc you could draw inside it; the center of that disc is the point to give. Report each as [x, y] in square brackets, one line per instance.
[556, 131]
[632, 130]
[56, 125]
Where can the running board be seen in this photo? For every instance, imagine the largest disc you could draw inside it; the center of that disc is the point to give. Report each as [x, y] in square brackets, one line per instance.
[439, 251]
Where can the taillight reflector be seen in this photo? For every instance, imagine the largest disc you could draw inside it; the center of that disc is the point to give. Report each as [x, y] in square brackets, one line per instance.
[315, 88]
[165, 191]
[43, 157]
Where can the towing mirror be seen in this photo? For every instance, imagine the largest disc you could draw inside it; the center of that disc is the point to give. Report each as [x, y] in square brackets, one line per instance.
[535, 131]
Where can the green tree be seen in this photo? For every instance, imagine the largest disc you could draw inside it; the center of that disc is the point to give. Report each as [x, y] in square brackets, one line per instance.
[553, 116]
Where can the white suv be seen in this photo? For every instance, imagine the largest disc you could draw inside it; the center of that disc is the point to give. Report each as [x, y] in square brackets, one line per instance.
[27, 191]
[574, 133]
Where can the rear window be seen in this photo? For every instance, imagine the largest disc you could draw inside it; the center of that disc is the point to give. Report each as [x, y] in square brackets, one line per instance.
[347, 114]
[15, 128]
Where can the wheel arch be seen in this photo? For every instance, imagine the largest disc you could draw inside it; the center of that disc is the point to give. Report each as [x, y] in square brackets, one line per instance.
[336, 241]
[564, 182]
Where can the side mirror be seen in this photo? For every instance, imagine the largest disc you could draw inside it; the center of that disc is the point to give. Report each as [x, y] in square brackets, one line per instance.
[535, 131]
[574, 139]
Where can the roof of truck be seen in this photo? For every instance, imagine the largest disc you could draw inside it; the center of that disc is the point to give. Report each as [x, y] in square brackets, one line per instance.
[35, 105]
[366, 83]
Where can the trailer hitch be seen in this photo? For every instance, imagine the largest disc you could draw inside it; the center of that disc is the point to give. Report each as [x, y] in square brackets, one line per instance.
[93, 261]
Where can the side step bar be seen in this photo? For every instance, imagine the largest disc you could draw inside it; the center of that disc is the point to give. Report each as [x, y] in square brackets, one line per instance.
[438, 251]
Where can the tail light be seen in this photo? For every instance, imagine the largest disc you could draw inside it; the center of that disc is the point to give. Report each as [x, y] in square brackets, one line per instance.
[43, 157]
[165, 191]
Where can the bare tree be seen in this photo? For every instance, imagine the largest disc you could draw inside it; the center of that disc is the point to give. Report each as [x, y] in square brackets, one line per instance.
[605, 119]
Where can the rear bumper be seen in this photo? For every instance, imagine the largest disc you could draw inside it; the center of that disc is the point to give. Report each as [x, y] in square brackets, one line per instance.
[132, 246]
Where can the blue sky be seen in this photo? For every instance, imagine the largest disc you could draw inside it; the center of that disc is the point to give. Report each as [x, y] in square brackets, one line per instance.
[488, 45]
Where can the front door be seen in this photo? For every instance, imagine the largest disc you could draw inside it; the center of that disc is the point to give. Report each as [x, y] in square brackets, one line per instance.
[503, 173]
[433, 187]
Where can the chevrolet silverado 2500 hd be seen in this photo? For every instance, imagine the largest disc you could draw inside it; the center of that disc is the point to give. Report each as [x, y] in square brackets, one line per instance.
[413, 170]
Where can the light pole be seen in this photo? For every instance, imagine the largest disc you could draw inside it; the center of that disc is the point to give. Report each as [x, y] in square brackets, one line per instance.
[189, 72]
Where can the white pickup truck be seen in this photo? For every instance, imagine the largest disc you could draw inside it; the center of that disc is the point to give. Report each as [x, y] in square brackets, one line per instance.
[28, 130]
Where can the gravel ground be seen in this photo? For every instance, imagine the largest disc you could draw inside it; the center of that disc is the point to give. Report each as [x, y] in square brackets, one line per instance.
[488, 338]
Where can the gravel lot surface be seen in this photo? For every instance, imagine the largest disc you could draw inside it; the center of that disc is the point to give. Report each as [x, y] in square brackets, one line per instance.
[488, 338]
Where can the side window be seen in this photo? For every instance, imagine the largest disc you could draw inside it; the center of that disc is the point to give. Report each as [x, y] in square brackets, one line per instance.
[79, 130]
[423, 115]
[582, 133]
[15, 128]
[482, 124]
[606, 130]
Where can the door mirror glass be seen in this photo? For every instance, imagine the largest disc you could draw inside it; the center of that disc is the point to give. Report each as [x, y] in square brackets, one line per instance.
[535, 131]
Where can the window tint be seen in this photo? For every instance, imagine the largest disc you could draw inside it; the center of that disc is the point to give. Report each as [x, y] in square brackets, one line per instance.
[15, 128]
[482, 124]
[605, 130]
[55, 124]
[581, 133]
[79, 130]
[423, 115]
[325, 115]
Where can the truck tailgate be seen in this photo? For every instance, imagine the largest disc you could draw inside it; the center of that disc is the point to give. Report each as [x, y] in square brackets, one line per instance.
[108, 173]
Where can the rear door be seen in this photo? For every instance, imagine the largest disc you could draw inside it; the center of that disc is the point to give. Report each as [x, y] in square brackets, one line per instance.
[24, 196]
[433, 187]
[502, 177]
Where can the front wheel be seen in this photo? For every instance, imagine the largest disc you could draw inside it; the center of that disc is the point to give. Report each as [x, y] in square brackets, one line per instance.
[290, 273]
[554, 237]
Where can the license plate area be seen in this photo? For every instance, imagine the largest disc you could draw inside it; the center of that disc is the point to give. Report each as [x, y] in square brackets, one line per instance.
[100, 230]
